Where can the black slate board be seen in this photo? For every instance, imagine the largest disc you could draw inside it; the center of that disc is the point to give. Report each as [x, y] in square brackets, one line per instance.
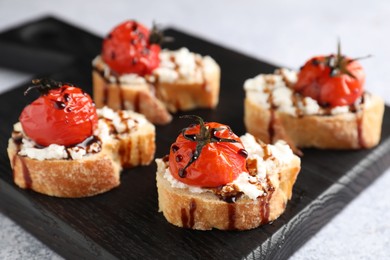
[124, 223]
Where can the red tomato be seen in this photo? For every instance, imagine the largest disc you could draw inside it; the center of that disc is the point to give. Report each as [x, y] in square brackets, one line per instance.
[63, 115]
[207, 155]
[127, 49]
[332, 80]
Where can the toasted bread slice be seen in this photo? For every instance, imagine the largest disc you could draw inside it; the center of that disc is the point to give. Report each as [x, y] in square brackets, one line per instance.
[183, 81]
[303, 123]
[203, 209]
[89, 176]
[96, 170]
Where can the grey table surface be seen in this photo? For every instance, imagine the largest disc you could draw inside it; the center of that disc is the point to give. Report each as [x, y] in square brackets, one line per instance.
[285, 33]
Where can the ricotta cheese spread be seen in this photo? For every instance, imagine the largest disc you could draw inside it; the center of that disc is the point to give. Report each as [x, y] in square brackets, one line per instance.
[110, 125]
[174, 65]
[275, 89]
[251, 186]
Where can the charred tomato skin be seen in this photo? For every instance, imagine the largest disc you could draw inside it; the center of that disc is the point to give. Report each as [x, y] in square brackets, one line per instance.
[63, 116]
[218, 163]
[331, 86]
[127, 49]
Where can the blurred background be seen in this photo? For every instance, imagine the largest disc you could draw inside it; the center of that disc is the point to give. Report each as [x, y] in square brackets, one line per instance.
[281, 32]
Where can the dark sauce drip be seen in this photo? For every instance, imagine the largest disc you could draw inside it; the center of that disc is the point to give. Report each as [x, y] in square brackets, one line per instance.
[265, 203]
[179, 158]
[17, 137]
[123, 152]
[243, 153]
[67, 97]
[68, 109]
[174, 148]
[188, 221]
[13, 166]
[137, 103]
[105, 86]
[68, 153]
[271, 129]
[359, 123]
[182, 171]
[232, 216]
[121, 98]
[230, 198]
[105, 93]
[86, 144]
[165, 158]
[295, 99]
[26, 173]
[192, 213]
[59, 105]
[134, 27]
[192, 137]
[184, 218]
[315, 62]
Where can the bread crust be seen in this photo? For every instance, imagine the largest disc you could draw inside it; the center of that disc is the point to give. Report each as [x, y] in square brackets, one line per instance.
[205, 211]
[136, 97]
[93, 174]
[183, 95]
[137, 148]
[352, 130]
[156, 100]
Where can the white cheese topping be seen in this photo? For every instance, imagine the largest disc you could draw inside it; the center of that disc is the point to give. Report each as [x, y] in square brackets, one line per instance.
[124, 122]
[183, 64]
[174, 65]
[175, 183]
[245, 184]
[279, 155]
[52, 151]
[130, 78]
[260, 88]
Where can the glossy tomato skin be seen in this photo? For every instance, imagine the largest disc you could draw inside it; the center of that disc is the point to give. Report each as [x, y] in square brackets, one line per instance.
[219, 163]
[64, 116]
[317, 81]
[127, 49]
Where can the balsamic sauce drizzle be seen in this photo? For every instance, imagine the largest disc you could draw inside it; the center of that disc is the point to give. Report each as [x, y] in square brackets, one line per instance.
[198, 138]
[188, 221]
[152, 81]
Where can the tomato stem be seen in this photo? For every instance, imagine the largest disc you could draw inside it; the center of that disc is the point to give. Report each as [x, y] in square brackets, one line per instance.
[338, 64]
[157, 36]
[44, 85]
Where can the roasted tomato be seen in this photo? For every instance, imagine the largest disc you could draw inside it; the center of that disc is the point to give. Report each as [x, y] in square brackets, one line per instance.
[207, 155]
[333, 80]
[132, 48]
[63, 114]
